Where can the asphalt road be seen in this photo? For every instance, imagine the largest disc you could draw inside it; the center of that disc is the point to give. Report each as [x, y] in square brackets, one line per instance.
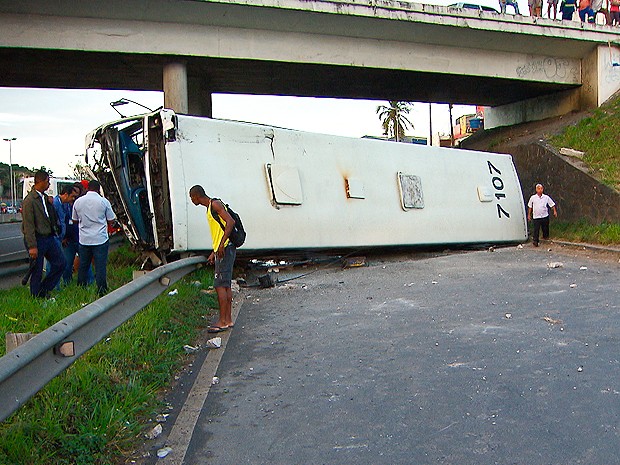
[424, 360]
[11, 242]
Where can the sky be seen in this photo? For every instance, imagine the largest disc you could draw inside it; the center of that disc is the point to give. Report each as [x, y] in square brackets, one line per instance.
[50, 125]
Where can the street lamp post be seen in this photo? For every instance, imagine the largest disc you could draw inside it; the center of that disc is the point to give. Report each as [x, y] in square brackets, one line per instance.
[10, 141]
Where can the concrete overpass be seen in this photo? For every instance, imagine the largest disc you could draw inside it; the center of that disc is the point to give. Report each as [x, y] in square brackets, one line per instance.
[525, 68]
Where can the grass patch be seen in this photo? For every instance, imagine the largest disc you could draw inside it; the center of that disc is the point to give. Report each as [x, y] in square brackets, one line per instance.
[582, 231]
[598, 137]
[97, 410]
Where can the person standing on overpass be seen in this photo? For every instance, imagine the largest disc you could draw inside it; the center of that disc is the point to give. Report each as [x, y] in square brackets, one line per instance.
[539, 205]
[512, 3]
[568, 8]
[552, 6]
[535, 8]
[223, 255]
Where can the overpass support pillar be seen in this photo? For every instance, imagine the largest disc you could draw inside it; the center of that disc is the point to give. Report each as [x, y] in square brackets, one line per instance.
[600, 75]
[200, 103]
[175, 87]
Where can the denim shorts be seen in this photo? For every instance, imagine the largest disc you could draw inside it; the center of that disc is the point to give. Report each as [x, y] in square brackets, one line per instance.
[224, 267]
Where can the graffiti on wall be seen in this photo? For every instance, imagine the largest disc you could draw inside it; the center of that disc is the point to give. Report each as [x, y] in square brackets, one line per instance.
[611, 70]
[550, 68]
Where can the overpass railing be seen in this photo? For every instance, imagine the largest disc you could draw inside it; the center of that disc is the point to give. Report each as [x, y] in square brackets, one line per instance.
[28, 368]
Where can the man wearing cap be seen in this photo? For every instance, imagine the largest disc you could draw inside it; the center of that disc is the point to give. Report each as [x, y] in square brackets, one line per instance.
[539, 205]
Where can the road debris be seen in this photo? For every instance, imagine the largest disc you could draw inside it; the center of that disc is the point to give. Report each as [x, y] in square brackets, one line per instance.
[215, 381]
[156, 431]
[552, 321]
[270, 279]
[161, 453]
[174, 292]
[508, 316]
[520, 246]
[189, 349]
[162, 417]
[583, 268]
[571, 152]
[555, 264]
[288, 286]
[580, 369]
[214, 343]
[573, 285]
[354, 262]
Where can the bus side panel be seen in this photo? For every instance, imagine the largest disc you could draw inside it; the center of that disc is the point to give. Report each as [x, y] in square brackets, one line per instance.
[466, 196]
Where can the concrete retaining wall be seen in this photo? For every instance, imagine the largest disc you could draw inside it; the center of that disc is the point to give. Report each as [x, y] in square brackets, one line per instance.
[10, 217]
[577, 194]
[534, 109]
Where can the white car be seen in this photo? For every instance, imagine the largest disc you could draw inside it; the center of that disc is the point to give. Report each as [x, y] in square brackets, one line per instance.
[473, 6]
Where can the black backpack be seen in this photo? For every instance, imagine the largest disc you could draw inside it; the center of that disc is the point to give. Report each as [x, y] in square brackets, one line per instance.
[237, 236]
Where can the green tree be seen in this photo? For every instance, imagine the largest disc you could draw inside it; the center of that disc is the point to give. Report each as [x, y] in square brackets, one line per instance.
[394, 120]
[43, 168]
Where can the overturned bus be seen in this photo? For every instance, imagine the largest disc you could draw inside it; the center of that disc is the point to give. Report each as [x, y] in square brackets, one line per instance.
[298, 190]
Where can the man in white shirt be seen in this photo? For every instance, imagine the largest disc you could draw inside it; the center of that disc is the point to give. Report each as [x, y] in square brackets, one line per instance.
[93, 214]
[539, 205]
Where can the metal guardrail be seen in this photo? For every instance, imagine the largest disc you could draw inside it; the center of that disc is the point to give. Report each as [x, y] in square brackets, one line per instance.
[25, 370]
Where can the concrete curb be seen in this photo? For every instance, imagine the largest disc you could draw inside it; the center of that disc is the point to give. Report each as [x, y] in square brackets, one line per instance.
[602, 248]
[181, 433]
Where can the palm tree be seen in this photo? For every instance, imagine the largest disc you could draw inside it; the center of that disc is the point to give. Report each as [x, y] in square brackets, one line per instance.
[393, 118]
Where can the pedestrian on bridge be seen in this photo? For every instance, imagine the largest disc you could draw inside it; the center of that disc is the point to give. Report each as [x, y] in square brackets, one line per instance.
[93, 214]
[568, 8]
[586, 13]
[535, 8]
[223, 255]
[614, 11]
[512, 3]
[539, 205]
[552, 7]
[40, 229]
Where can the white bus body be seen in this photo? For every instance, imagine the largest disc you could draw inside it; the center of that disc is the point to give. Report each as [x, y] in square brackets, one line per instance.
[298, 190]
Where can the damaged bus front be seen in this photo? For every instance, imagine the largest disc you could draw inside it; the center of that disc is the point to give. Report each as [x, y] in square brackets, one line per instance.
[128, 157]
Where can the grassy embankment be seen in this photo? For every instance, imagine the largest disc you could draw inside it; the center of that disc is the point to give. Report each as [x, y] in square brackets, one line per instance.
[98, 409]
[582, 231]
[598, 135]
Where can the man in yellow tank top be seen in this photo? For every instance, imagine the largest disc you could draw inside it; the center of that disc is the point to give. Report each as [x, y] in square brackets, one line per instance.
[223, 255]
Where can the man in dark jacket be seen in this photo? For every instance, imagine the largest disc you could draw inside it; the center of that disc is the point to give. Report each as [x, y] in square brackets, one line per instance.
[40, 228]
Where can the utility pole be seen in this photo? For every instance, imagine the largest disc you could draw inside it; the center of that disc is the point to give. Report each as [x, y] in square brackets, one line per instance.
[430, 123]
[451, 126]
[10, 141]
